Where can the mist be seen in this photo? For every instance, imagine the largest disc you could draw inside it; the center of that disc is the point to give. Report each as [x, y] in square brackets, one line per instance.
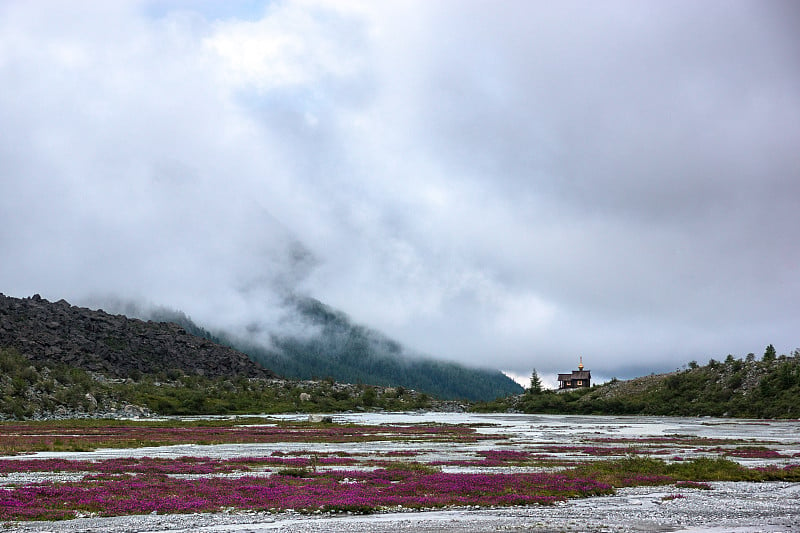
[511, 186]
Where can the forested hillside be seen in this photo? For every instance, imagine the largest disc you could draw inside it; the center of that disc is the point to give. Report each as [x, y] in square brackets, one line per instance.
[737, 387]
[351, 353]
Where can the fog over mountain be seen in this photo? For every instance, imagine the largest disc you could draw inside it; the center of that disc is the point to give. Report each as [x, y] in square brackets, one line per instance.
[511, 185]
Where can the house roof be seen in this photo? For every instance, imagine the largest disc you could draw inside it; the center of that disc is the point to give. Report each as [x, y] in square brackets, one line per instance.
[576, 374]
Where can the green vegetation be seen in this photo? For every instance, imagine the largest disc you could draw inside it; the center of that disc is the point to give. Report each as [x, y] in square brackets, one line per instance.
[350, 353]
[536, 383]
[198, 395]
[735, 387]
[28, 389]
[641, 470]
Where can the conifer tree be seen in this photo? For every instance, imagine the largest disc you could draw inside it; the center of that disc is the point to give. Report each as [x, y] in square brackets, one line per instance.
[536, 383]
[769, 353]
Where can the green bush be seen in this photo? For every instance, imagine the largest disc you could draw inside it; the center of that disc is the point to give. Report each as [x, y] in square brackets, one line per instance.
[711, 469]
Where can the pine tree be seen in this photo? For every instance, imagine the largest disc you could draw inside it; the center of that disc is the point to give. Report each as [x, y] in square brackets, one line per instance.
[769, 353]
[536, 383]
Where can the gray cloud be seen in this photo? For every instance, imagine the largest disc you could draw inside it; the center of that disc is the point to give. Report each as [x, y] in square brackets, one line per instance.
[511, 187]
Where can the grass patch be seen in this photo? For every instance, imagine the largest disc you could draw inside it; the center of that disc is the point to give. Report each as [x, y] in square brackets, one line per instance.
[638, 470]
[712, 469]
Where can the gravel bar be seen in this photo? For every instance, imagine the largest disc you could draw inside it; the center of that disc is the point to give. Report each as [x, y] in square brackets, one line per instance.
[729, 507]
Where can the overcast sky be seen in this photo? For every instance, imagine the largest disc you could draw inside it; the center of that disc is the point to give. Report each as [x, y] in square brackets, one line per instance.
[510, 184]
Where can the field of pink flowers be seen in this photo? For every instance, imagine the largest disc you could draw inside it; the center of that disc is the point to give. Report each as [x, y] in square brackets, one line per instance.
[79, 436]
[316, 479]
[340, 490]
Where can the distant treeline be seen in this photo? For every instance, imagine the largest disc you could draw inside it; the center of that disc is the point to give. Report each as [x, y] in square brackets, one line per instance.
[747, 387]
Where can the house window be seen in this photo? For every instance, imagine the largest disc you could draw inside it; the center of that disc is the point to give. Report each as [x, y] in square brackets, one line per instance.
[580, 383]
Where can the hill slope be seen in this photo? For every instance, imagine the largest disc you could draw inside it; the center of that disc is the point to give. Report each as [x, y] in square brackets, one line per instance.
[351, 353]
[747, 388]
[114, 345]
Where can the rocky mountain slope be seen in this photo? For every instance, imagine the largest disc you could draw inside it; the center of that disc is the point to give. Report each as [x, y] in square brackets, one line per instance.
[113, 345]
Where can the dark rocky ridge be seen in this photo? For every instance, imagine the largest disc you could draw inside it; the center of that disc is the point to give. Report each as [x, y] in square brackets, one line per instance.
[113, 345]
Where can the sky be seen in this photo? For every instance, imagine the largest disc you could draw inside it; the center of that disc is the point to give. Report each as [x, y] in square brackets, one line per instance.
[511, 185]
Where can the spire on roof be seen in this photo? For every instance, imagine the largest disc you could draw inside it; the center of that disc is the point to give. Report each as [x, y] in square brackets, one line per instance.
[580, 365]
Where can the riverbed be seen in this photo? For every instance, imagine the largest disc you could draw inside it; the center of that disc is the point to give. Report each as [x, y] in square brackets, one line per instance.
[728, 506]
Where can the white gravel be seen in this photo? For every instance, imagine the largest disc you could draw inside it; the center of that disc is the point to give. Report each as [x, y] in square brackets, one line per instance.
[729, 507]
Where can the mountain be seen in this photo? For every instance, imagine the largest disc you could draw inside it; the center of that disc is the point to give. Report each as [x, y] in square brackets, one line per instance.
[113, 345]
[337, 348]
[169, 341]
[746, 388]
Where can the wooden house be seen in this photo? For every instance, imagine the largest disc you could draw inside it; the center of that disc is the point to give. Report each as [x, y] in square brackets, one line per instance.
[577, 379]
